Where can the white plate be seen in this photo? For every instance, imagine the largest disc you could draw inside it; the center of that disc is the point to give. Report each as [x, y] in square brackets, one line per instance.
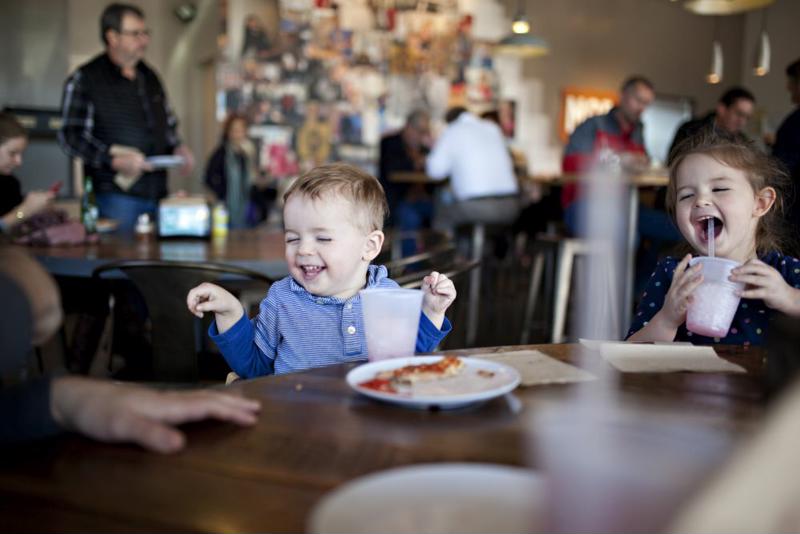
[165, 162]
[453, 392]
[435, 498]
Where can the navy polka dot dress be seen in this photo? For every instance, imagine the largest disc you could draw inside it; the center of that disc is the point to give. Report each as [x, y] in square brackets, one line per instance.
[752, 318]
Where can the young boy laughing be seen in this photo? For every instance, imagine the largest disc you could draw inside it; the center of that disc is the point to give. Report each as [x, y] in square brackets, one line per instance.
[333, 219]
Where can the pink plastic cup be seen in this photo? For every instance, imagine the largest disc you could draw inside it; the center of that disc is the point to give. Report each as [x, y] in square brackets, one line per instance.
[715, 301]
[391, 321]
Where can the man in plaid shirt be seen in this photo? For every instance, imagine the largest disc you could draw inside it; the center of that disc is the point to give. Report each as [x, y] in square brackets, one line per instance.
[116, 115]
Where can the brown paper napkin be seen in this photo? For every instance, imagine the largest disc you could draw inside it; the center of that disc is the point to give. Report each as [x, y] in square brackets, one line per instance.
[537, 368]
[664, 358]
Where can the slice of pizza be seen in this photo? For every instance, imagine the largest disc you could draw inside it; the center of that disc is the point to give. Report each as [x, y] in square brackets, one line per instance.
[410, 374]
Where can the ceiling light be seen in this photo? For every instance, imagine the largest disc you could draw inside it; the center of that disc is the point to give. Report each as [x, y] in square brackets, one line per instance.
[714, 75]
[761, 59]
[724, 7]
[522, 45]
[520, 25]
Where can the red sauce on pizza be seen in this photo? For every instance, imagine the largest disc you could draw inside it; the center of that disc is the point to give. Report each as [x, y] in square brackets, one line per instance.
[379, 384]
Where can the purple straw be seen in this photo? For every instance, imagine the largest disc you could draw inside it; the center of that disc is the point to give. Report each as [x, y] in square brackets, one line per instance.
[710, 237]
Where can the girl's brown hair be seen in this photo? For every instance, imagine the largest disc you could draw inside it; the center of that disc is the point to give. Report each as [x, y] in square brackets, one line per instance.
[358, 187]
[762, 171]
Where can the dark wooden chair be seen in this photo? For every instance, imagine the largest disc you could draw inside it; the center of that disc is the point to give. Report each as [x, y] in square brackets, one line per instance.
[177, 335]
[435, 258]
[409, 273]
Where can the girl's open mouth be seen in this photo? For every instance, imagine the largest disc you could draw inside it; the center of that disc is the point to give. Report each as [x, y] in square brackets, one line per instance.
[702, 227]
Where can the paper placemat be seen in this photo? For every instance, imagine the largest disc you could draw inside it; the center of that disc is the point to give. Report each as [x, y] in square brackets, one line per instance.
[665, 358]
[595, 344]
[537, 368]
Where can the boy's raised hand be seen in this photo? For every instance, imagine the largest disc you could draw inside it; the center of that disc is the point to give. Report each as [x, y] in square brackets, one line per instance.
[438, 294]
[766, 283]
[212, 298]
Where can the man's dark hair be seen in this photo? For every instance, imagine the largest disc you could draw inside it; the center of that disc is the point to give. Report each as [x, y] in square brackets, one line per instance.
[793, 70]
[111, 19]
[733, 94]
[453, 114]
[631, 82]
[417, 117]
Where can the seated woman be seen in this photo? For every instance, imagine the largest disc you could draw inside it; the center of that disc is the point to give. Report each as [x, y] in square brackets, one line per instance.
[14, 207]
[233, 176]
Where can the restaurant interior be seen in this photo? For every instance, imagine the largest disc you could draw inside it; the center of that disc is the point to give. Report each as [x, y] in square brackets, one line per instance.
[520, 341]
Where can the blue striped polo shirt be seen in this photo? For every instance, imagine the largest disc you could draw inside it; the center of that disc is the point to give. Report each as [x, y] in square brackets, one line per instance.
[297, 330]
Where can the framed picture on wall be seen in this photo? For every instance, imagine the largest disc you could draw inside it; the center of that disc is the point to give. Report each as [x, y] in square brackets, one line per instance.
[578, 104]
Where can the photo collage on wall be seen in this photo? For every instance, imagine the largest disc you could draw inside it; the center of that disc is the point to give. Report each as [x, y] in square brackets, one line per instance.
[323, 80]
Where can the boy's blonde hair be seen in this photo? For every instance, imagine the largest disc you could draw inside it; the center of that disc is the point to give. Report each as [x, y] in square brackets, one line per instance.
[762, 171]
[360, 188]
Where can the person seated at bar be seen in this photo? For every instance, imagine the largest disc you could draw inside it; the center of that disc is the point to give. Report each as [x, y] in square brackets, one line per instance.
[410, 205]
[473, 153]
[727, 179]
[102, 410]
[733, 111]
[233, 176]
[621, 131]
[333, 218]
[14, 206]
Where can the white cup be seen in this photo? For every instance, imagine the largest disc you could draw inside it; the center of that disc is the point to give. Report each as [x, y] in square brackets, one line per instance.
[391, 321]
[714, 302]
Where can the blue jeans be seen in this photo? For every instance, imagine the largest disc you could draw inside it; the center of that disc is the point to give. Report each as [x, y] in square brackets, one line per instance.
[125, 209]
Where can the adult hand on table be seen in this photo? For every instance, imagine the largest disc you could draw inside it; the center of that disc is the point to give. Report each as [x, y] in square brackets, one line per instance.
[114, 412]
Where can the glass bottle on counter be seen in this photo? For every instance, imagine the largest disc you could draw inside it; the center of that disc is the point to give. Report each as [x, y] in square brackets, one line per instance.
[219, 221]
[89, 210]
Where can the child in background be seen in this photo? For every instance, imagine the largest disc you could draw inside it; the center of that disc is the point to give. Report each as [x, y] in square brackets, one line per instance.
[333, 220]
[742, 189]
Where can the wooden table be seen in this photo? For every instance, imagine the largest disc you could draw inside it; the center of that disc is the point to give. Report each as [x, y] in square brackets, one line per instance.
[314, 434]
[255, 249]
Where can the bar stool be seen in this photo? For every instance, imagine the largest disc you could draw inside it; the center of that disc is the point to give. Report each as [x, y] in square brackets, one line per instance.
[563, 251]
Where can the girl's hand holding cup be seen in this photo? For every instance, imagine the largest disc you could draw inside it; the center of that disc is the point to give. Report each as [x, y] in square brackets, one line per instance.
[684, 281]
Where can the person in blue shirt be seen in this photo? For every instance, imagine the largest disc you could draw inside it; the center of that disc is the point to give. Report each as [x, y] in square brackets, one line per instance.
[714, 175]
[333, 220]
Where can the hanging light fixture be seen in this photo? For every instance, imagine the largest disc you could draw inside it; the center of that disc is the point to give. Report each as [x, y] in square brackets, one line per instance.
[520, 24]
[724, 7]
[714, 75]
[761, 59]
[520, 42]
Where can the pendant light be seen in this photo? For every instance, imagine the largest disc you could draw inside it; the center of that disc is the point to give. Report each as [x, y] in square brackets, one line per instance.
[520, 24]
[520, 42]
[761, 59]
[724, 7]
[714, 75]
